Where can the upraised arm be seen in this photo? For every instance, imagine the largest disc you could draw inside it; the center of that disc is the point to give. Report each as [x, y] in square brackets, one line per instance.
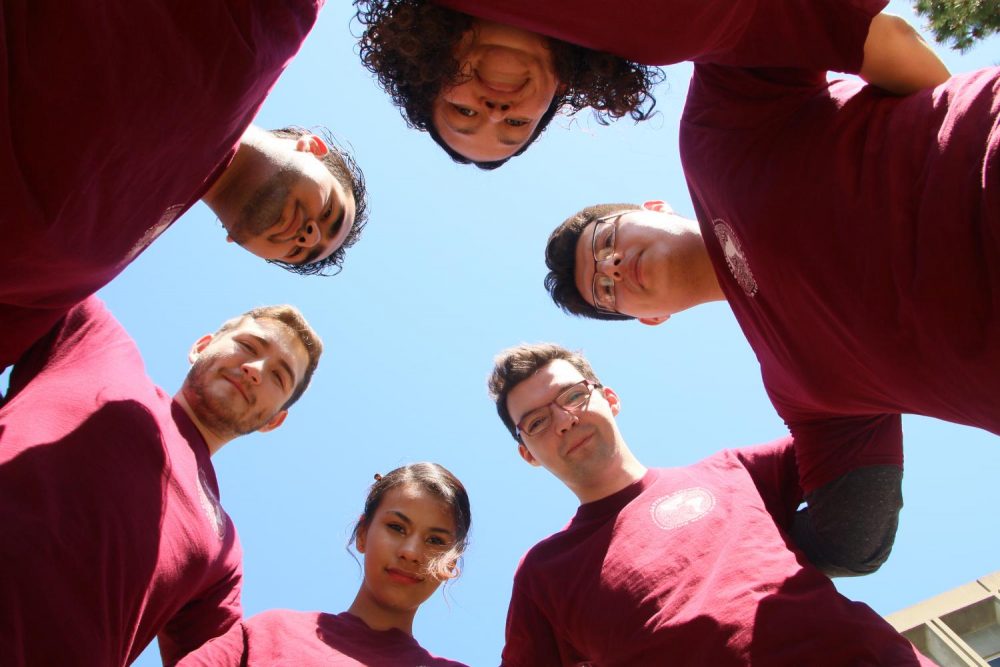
[898, 59]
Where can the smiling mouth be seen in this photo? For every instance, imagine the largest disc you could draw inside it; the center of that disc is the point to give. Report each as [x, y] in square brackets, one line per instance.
[502, 84]
[578, 444]
[238, 386]
[290, 229]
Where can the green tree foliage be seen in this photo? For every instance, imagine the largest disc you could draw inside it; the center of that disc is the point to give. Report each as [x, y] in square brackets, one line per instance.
[961, 22]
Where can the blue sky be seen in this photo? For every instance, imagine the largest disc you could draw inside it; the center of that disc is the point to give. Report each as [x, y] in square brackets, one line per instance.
[447, 273]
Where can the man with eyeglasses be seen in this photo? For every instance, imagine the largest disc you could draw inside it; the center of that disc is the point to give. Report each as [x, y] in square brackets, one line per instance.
[846, 342]
[678, 566]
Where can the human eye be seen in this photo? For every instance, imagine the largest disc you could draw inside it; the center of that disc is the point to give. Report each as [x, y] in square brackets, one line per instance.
[244, 345]
[574, 396]
[279, 379]
[396, 527]
[294, 253]
[464, 111]
[437, 541]
[537, 423]
[516, 122]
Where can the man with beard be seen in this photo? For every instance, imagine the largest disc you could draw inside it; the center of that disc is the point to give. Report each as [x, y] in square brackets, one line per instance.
[115, 121]
[112, 528]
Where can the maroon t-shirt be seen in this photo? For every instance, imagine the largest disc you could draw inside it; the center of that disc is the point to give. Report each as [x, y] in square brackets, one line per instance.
[112, 531]
[284, 638]
[857, 238]
[856, 234]
[115, 117]
[691, 566]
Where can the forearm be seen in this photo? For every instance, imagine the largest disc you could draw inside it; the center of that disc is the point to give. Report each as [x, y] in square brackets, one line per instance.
[898, 59]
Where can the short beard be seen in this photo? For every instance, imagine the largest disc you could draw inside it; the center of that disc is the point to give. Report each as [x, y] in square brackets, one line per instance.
[264, 208]
[216, 416]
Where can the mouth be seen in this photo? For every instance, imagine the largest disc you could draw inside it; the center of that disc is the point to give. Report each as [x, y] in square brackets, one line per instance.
[290, 229]
[502, 83]
[576, 445]
[239, 387]
[637, 277]
[402, 576]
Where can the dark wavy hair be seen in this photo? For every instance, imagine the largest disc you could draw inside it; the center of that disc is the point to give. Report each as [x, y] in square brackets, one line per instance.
[341, 164]
[560, 258]
[408, 46]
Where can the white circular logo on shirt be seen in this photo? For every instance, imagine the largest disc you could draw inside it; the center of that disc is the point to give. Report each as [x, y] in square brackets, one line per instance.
[682, 507]
[735, 259]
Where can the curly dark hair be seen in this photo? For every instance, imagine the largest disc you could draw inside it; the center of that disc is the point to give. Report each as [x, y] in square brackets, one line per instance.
[408, 46]
[560, 258]
[347, 172]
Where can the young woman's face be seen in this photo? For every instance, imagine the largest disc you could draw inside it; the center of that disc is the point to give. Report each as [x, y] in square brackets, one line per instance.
[511, 83]
[409, 529]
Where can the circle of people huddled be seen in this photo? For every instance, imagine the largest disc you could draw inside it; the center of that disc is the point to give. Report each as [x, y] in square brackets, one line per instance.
[873, 323]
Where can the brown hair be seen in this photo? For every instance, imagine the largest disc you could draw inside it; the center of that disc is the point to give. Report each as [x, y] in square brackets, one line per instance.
[292, 318]
[439, 481]
[516, 364]
[560, 257]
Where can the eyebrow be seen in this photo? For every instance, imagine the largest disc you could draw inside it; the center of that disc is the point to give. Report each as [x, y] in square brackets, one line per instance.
[331, 233]
[281, 361]
[410, 522]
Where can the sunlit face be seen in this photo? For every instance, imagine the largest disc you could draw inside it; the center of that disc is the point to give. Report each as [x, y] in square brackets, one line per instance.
[285, 203]
[239, 380]
[638, 268]
[511, 84]
[410, 528]
[578, 445]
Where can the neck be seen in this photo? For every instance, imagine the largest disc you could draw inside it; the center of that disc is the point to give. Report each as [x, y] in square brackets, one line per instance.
[693, 268]
[216, 197]
[379, 617]
[628, 471]
[213, 440]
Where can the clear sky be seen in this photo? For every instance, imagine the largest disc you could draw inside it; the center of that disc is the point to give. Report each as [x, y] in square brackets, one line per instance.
[447, 273]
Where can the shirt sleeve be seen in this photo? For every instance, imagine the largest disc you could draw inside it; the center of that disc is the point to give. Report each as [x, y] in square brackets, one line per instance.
[827, 448]
[530, 638]
[226, 650]
[212, 615]
[774, 470]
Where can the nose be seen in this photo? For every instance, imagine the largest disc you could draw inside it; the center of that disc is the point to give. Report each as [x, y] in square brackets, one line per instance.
[409, 548]
[564, 419]
[496, 110]
[611, 267]
[252, 370]
[309, 236]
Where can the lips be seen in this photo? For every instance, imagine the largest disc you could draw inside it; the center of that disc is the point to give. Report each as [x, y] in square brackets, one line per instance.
[291, 228]
[503, 83]
[239, 387]
[579, 443]
[403, 577]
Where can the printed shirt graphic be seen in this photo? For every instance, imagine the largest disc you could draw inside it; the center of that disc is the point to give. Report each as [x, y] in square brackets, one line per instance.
[736, 259]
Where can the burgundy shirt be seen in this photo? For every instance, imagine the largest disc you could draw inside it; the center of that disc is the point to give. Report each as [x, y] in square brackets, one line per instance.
[691, 566]
[855, 234]
[285, 638]
[115, 118]
[112, 528]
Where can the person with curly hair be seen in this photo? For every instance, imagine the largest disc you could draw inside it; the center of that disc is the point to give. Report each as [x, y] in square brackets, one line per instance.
[485, 90]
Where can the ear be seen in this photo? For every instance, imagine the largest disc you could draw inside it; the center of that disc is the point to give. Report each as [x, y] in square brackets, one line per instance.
[657, 205]
[653, 321]
[276, 421]
[612, 398]
[362, 536]
[312, 144]
[526, 455]
[199, 347]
